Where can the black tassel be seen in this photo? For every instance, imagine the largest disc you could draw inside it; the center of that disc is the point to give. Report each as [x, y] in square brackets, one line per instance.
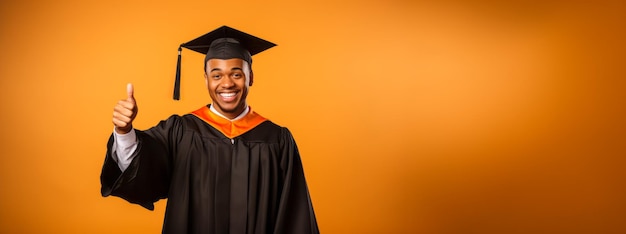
[177, 81]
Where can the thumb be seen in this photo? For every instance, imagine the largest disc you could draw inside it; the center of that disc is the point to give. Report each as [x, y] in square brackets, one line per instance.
[130, 91]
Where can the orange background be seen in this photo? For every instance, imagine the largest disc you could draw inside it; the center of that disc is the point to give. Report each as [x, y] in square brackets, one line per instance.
[411, 117]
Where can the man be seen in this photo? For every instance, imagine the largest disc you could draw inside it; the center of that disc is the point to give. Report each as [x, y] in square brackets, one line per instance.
[223, 168]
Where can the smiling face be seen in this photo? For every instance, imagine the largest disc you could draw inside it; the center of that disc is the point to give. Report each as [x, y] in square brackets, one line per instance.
[228, 81]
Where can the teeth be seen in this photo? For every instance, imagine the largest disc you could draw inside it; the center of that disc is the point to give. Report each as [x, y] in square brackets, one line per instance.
[227, 94]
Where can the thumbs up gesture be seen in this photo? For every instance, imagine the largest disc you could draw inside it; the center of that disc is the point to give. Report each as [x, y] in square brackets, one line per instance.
[125, 111]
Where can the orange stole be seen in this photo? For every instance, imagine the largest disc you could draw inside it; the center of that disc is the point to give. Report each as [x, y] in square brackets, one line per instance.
[230, 129]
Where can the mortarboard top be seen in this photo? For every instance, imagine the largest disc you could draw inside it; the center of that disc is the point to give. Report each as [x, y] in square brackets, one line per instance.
[222, 43]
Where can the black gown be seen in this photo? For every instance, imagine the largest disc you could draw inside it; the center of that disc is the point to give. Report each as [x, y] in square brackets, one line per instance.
[219, 176]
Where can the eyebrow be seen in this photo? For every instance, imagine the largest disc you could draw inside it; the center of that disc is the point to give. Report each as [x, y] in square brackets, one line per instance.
[232, 69]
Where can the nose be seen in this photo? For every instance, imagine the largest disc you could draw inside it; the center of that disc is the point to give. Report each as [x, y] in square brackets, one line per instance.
[227, 83]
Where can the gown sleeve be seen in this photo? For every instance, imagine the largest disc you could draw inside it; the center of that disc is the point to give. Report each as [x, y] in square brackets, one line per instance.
[295, 211]
[147, 178]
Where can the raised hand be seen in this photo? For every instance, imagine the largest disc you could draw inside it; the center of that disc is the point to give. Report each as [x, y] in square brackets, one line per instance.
[125, 111]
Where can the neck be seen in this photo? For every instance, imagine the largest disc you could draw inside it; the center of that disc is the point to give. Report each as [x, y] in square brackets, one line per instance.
[231, 117]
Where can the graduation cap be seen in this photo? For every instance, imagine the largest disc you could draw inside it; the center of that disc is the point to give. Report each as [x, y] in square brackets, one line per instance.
[222, 43]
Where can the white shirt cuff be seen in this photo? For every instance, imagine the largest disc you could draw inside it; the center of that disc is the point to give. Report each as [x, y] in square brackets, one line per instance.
[124, 146]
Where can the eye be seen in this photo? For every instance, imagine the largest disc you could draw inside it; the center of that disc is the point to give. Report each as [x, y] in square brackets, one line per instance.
[216, 76]
[237, 75]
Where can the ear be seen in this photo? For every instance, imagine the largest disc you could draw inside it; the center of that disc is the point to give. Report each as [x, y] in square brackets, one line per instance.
[251, 78]
[206, 79]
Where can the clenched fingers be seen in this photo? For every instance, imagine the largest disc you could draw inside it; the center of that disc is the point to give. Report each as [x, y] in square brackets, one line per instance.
[125, 108]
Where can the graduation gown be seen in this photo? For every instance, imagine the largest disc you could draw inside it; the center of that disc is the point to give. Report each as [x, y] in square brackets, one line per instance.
[219, 176]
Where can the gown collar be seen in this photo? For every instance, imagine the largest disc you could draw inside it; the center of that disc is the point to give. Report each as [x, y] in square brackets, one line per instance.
[243, 123]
